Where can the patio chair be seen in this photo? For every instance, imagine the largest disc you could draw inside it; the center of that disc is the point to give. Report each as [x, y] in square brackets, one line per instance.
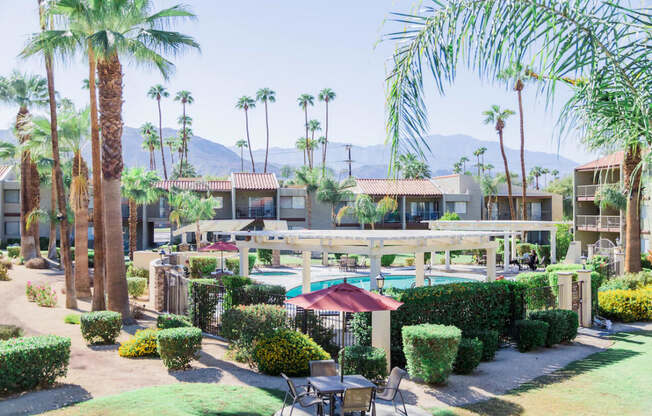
[301, 396]
[391, 390]
[343, 264]
[320, 368]
[358, 399]
[351, 265]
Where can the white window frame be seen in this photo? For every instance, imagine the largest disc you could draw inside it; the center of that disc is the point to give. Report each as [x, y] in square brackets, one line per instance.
[460, 207]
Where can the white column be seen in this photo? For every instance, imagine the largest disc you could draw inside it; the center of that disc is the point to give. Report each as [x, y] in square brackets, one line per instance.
[448, 259]
[305, 272]
[513, 246]
[553, 246]
[278, 204]
[565, 282]
[324, 258]
[584, 276]
[380, 332]
[232, 200]
[506, 253]
[418, 265]
[491, 264]
[184, 238]
[403, 220]
[244, 261]
[432, 258]
[374, 270]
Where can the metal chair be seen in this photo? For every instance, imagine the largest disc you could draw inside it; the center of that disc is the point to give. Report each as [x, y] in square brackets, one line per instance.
[302, 396]
[323, 368]
[391, 390]
[358, 399]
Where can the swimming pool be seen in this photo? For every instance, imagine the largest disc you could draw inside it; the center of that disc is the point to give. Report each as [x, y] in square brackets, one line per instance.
[399, 281]
[273, 274]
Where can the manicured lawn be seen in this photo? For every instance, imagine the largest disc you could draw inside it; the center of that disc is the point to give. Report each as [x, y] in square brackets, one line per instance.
[612, 382]
[184, 399]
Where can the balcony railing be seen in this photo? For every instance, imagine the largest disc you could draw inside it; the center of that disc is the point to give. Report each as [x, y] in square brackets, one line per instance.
[598, 223]
[587, 192]
[543, 215]
[246, 212]
[422, 216]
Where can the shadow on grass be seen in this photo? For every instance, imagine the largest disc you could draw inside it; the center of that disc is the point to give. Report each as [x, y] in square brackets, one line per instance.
[36, 402]
[492, 407]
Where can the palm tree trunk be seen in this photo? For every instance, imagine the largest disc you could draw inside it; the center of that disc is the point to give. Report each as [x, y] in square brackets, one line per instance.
[80, 207]
[71, 300]
[160, 136]
[323, 156]
[267, 146]
[99, 302]
[35, 203]
[632, 182]
[110, 75]
[241, 159]
[309, 210]
[198, 235]
[185, 137]
[27, 243]
[133, 227]
[253, 168]
[508, 177]
[519, 87]
[52, 243]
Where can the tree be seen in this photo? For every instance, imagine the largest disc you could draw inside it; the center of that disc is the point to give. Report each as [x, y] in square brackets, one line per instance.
[313, 126]
[138, 188]
[174, 144]
[286, 172]
[241, 144]
[245, 103]
[536, 172]
[463, 161]
[304, 101]
[488, 167]
[555, 173]
[497, 117]
[190, 207]
[326, 95]
[477, 153]
[367, 211]
[185, 98]
[310, 178]
[150, 142]
[489, 186]
[564, 187]
[410, 167]
[157, 92]
[301, 145]
[334, 192]
[265, 95]
[26, 92]
[186, 170]
[457, 168]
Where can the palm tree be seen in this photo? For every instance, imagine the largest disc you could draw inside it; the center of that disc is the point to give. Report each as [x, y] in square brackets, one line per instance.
[265, 95]
[313, 126]
[107, 31]
[286, 172]
[173, 143]
[138, 188]
[477, 153]
[25, 92]
[157, 92]
[322, 142]
[411, 167]
[367, 211]
[488, 167]
[150, 142]
[185, 98]
[497, 116]
[535, 173]
[457, 168]
[326, 95]
[333, 192]
[245, 103]
[463, 161]
[304, 101]
[301, 145]
[241, 144]
[190, 207]
[489, 187]
[310, 178]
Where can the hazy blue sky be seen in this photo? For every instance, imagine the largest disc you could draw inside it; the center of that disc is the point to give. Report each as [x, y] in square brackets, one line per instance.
[292, 47]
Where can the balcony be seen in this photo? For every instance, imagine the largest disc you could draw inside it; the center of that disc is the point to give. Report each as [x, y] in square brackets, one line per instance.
[543, 215]
[601, 223]
[422, 216]
[247, 212]
[587, 192]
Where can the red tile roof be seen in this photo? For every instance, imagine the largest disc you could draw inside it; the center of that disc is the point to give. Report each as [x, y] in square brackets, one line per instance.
[402, 187]
[254, 181]
[452, 175]
[196, 185]
[613, 160]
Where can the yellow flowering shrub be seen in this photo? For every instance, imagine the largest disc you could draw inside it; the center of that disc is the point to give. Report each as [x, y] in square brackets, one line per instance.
[141, 345]
[626, 305]
[287, 351]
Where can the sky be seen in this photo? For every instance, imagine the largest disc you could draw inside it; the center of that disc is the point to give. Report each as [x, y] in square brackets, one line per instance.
[293, 47]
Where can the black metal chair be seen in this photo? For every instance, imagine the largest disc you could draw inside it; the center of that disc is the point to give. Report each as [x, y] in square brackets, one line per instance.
[301, 395]
[391, 390]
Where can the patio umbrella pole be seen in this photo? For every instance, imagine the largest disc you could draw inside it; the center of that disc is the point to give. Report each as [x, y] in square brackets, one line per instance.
[342, 350]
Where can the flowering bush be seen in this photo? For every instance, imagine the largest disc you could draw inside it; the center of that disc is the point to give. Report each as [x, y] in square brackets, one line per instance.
[46, 297]
[243, 324]
[626, 305]
[30, 292]
[287, 351]
[141, 345]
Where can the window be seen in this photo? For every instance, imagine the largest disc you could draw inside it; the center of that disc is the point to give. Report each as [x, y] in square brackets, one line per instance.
[220, 202]
[458, 207]
[261, 206]
[286, 202]
[161, 208]
[293, 202]
[12, 196]
[12, 228]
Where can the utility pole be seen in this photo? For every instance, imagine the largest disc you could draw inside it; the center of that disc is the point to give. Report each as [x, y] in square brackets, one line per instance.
[349, 160]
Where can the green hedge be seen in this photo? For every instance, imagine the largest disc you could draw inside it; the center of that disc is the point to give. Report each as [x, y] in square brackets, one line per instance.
[10, 331]
[370, 362]
[170, 320]
[244, 324]
[530, 334]
[202, 266]
[264, 255]
[386, 260]
[100, 327]
[29, 362]
[468, 356]
[490, 341]
[254, 294]
[136, 286]
[557, 325]
[234, 264]
[430, 351]
[286, 351]
[177, 347]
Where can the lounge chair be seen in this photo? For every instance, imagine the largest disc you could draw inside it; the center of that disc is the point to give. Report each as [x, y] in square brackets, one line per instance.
[358, 399]
[391, 390]
[302, 396]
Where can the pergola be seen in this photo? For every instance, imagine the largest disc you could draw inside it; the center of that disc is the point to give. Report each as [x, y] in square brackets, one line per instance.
[506, 228]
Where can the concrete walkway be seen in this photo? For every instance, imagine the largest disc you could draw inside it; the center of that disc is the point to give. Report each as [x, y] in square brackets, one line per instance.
[382, 409]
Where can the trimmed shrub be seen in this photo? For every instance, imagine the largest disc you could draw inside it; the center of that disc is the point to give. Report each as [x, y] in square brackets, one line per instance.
[361, 328]
[10, 331]
[557, 324]
[72, 318]
[255, 294]
[4, 274]
[244, 324]
[178, 346]
[264, 255]
[370, 362]
[143, 344]
[543, 253]
[490, 341]
[386, 260]
[468, 356]
[133, 271]
[234, 264]
[203, 299]
[28, 362]
[169, 320]
[100, 327]
[430, 351]
[530, 334]
[287, 351]
[629, 281]
[202, 266]
[136, 286]
[13, 252]
[572, 325]
[626, 305]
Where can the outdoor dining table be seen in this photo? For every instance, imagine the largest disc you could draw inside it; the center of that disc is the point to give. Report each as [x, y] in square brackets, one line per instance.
[331, 386]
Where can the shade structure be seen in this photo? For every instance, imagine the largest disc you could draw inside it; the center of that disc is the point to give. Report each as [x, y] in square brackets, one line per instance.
[220, 246]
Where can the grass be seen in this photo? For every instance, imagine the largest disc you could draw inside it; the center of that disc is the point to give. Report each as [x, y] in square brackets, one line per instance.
[183, 399]
[72, 318]
[612, 382]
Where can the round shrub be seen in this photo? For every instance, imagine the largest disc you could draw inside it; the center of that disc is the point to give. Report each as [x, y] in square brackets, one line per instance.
[4, 274]
[13, 252]
[136, 286]
[10, 331]
[133, 271]
[100, 327]
[386, 260]
[490, 341]
[169, 320]
[202, 266]
[287, 351]
[178, 346]
[572, 325]
[530, 334]
[37, 263]
[468, 356]
[626, 305]
[72, 318]
[28, 362]
[244, 324]
[141, 345]
[430, 350]
[370, 362]
[556, 325]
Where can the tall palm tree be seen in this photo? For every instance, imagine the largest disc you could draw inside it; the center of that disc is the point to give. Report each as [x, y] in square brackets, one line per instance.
[333, 192]
[173, 143]
[241, 144]
[313, 126]
[463, 161]
[410, 167]
[157, 92]
[497, 116]
[301, 145]
[245, 103]
[536, 172]
[457, 167]
[310, 178]
[139, 190]
[488, 167]
[150, 142]
[265, 95]
[25, 92]
[555, 173]
[545, 172]
[326, 95]
[478, 153]
[185, 98]
[108, 31]
[304, 101]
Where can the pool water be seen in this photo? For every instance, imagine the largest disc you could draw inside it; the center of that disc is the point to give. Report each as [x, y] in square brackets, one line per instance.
[273, 274]
[398, 281]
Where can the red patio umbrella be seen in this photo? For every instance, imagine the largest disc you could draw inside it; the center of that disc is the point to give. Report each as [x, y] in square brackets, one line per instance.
[345, 298]
[220, 246]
